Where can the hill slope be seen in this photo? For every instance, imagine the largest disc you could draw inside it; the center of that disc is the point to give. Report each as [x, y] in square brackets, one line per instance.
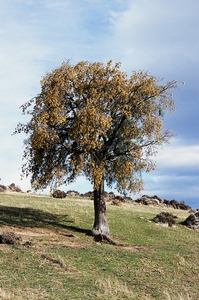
[57, 260]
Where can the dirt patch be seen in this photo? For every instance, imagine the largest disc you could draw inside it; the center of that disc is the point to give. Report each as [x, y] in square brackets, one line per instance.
[69, 244]
[32, 233]
[59, 238]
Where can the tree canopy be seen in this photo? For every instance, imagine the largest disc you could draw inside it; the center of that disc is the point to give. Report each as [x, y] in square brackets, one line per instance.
[94, 119]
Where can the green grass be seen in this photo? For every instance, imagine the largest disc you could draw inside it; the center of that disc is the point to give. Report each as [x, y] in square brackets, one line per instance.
[65, 263]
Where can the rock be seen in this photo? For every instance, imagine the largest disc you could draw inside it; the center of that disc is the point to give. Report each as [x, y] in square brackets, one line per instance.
[14, 188]
[177, 205]
[72, 193]
[116, 202]
[165, 218]
[9, 238]
[87, 195]
[155, 200]
[107, 196]
[111, 195]
[122, 199]
[3, 188]
[192, 221]
[59, 194]
[147, 200]
[28, 244]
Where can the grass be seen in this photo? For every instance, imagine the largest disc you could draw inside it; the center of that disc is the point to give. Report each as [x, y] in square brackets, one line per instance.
[63, 262]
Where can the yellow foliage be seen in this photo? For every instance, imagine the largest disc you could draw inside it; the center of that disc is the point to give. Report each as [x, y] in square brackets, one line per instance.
[92, 118]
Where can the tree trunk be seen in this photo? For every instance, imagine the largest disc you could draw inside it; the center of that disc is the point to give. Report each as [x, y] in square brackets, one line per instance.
[100, 222]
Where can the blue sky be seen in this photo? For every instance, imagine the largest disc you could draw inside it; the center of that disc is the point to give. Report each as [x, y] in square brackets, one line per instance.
[157, 36]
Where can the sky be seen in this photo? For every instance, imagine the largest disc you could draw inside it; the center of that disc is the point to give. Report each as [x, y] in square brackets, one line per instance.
[157, 36]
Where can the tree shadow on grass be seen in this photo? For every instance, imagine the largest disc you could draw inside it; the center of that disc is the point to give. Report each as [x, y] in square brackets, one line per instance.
[36, 218]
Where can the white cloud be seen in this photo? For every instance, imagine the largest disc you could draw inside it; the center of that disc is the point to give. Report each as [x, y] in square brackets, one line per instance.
[173, 186]
[156, 36]
[176, 175]
[175, 156]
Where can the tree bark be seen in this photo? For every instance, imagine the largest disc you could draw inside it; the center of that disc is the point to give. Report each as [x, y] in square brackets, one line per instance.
[100, 220]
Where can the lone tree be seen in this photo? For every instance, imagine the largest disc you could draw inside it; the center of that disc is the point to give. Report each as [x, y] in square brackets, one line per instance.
[94, 119]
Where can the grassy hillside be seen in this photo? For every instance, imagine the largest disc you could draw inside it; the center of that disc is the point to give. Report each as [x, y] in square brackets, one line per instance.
[57, 260]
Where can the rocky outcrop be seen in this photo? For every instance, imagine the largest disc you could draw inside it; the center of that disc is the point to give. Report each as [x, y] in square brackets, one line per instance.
[116, 202]
[72, 193]
[3, 188]
[155, 200]
[165, 218]
[87, 195]
[179, 205]
[12, 187]
[147, 200]
[192, 221]
[9, 238]
[58, 194]
[107, 196]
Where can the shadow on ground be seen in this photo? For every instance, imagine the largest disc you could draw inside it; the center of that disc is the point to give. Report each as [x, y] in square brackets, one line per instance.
[35, 218]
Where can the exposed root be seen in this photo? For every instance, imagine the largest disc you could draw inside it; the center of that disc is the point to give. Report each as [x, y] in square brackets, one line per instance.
[105, 239]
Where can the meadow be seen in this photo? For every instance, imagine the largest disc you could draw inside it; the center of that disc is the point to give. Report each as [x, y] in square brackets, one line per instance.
[57, 259]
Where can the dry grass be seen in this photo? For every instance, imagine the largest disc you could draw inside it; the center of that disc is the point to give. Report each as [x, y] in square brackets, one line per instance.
[18, 294]
[113, 289]
[6, 295]
[171, 296]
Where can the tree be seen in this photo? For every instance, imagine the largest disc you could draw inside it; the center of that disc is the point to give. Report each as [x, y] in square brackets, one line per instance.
[94, 119]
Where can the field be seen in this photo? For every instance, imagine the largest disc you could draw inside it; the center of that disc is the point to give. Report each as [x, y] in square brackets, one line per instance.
[56, 259]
